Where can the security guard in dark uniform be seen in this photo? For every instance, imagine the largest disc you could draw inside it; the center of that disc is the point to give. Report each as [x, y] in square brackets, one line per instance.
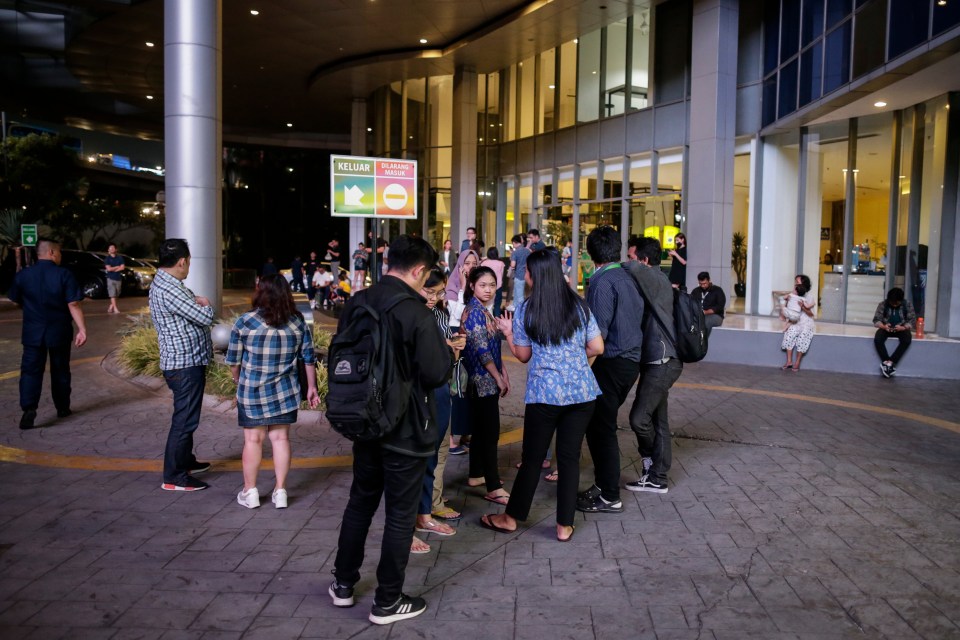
[50, 297]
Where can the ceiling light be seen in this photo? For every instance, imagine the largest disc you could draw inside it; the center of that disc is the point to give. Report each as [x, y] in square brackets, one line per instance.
[149, 97]
[551, 86]
[576, 41]
[369, 129]
[942, 3]
[254, 12]
[289, 124]
[149, 44]
[423, 41]
[880, 104]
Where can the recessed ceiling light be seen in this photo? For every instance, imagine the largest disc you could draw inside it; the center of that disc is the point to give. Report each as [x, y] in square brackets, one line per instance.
[149, 97]
[423, 41]
[149, 44]
[369, 129]
[289, 124]
[942, 3]
[254, 12]
[880, 104]
[551, 86]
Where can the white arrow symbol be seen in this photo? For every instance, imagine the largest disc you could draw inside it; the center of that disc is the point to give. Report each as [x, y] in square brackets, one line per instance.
[352, 196]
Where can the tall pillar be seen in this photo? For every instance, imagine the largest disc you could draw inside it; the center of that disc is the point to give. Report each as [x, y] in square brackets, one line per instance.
[713, 94]
[358, 147]
[192, 138]
[464, 165]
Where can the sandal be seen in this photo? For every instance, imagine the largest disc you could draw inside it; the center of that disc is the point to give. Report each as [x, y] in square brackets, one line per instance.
[487, 522]
[476, 482]
[432, 526]
[789, 365]
[420, 548]
[501, 499]
[553, 476]
[447, 514]
[573, 530]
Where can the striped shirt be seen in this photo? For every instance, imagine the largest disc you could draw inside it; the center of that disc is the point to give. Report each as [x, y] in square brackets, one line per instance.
[183, 326]
[616, 303]
[269, 384]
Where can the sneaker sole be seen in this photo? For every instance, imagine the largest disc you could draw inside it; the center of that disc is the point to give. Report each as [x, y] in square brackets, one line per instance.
[600, 509]
[172, 487]
[647, 489]
[340, 602]
[200, 469]
[396, 617]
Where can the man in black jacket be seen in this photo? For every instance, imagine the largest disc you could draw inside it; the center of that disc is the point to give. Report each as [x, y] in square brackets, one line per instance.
[712, 300]
[660, 368]
[394, 466]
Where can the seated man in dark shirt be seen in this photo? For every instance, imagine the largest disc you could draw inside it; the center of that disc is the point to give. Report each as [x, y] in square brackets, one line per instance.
[711, 299]
[894, 319]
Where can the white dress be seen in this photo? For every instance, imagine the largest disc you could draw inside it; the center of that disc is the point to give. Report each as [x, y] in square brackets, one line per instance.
[798, 336]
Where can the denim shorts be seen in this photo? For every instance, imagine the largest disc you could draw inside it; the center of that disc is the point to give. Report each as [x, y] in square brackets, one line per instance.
[247, 422]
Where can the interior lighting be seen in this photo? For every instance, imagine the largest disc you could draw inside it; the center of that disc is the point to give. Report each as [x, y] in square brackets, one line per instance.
[423, 41]
[289, 125]
[942, 3]
[149, 97]
[149, 44]
[551, 86]
[369, 129]
[254, 12]
[879, 104]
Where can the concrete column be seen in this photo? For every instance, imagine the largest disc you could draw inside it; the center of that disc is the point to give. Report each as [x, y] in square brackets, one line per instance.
[358, 147]
[192, 138]
[463, 199]
[713, 93]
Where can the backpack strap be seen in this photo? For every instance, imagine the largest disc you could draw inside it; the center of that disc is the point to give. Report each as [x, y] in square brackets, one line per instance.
[647, 305]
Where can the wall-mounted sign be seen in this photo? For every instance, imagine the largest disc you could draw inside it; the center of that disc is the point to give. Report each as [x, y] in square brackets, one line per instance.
[373, 187]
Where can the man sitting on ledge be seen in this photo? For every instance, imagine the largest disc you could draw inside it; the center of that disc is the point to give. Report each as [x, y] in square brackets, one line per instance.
[894, 319]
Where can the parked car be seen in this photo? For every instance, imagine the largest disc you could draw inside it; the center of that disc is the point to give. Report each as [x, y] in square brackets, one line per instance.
[89, 269]
[143, 270]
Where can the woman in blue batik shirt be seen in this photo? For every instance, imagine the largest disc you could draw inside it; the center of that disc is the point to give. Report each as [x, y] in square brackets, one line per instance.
[488, 382]
[265, 345]
[554, 331]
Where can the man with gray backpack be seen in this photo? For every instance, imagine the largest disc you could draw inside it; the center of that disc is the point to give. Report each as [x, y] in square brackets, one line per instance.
[384, 363]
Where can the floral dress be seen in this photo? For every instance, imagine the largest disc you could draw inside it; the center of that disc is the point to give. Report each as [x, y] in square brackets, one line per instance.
[483, 346]
[798, 336]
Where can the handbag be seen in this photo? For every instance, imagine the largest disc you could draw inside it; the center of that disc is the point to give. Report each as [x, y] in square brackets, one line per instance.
[459, 379]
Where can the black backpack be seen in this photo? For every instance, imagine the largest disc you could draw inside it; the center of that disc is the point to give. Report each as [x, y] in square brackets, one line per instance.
[690, 331]
[368, 391]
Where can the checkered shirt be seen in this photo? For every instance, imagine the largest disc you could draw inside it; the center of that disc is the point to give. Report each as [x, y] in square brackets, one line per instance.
[269, 385]
[183, 326]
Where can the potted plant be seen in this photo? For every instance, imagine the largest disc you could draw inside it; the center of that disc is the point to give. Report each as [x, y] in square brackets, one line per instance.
[739, 264]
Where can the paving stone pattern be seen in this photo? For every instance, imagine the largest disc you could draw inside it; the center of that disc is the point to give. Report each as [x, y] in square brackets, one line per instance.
[786, 518]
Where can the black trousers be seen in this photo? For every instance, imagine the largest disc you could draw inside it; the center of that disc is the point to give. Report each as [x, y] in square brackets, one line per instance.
[616, 377]
[539, 423]
[648, 416]
[399, 478]
[880, 342]
[484, 419]
[32, 365]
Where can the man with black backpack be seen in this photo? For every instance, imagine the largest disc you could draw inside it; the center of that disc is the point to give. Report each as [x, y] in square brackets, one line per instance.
[390, 452]
[660, 367]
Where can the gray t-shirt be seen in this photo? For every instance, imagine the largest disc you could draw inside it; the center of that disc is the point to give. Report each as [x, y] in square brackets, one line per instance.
[519, 257]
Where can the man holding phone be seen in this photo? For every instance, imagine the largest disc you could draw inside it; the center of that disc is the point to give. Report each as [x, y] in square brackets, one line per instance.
[894, 319]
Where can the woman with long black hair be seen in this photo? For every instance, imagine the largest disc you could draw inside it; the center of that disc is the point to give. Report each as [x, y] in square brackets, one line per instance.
[554, 331]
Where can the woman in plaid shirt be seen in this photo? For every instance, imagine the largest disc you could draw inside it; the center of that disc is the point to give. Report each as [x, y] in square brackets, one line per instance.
[265, 345]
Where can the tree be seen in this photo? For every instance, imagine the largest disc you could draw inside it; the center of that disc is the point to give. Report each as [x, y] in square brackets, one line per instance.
[41, 176]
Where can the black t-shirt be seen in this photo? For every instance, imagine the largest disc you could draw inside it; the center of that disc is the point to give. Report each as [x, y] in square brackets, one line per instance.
[678, 272]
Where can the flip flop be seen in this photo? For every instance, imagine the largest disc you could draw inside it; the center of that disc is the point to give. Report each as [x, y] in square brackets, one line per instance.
[785, 367]
[553, 476]
[500, 500]
[486, 523]
[447, 514]
[420, 551]
[573, 530]
[432, 527]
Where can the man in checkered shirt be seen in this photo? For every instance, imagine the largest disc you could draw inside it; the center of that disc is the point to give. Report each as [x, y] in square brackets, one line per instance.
[183, 324]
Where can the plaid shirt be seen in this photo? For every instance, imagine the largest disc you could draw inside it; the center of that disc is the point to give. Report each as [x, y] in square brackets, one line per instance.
[183, 326]
[269, 385]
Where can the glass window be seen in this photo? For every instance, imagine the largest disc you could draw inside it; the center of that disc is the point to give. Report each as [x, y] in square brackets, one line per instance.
[548, 91]
[526, 202]
[670, 171]
[510, 104]
[826, 186]
[771, 35]
[789, 29]
[416, 113]
[945, 16]
[640, 175]
[836, 67]
[441, 115]
[494, 123]
[925, 285]
[588, 78]
[588, 181]
[568, 85]
[640, 60]
[613, 179]
[837, 10]
[769, 100]
[870, 31]
[615, 79]
[811, 73]
[528, 76]
[912, 20]
[508, 233]
[788, 89]
[811, 26]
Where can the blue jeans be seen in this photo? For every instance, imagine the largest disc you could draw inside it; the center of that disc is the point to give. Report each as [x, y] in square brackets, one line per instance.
[32, 364]
[518, 289]
[442, 397]
[379, 472]
[187, 386]
[648, 416]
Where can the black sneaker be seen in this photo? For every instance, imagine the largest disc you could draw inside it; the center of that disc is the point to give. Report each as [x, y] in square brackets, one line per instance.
[64, 413]
[199, 467]
[589, 494]
[26, 421]
[342, 596]
[405, 607]
[647, 485]
[885, 370]
[599, 505]
[893, 370]
[190, 484]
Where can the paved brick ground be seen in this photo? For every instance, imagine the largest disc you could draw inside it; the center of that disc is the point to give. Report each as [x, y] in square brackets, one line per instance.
[801, 506]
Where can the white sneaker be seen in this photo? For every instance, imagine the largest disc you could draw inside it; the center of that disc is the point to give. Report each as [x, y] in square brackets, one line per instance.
[313, 304]
[249, 499]
[279, 498]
